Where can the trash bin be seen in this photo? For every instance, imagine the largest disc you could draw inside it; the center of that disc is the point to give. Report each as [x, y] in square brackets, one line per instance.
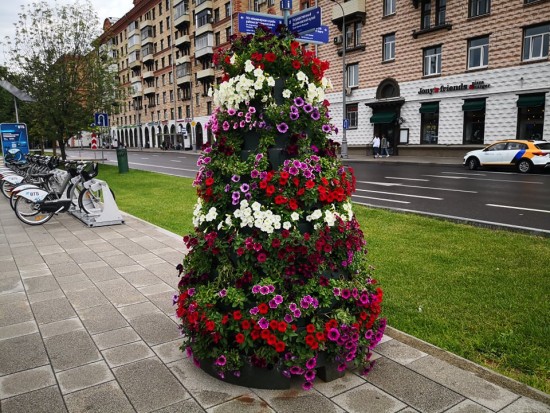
[122, 159]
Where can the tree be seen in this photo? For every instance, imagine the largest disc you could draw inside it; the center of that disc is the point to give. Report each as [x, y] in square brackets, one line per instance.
[7, 109]
[62, 65]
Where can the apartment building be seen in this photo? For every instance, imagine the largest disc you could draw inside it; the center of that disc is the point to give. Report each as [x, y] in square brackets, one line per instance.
[433, 75]
[428, 74]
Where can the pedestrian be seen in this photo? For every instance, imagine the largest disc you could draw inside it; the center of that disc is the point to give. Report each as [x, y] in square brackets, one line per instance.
[384, 147]
[376, 146]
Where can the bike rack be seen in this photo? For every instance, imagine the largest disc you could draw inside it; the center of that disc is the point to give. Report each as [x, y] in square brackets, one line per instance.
[110, 214]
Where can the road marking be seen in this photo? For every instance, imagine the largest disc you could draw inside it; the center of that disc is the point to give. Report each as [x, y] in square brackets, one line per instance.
[174, 160]
[520, 208]
[398, 194]
[463, 173]
[484, 179]
[143, 158]
[182, 157]
[407, 179]
[417, 186]
[381, 199]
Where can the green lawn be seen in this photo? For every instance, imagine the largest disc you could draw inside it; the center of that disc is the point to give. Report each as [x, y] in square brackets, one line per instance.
[479, 293]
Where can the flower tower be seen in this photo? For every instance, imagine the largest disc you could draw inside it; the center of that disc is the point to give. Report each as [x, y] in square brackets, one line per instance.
[275, 283]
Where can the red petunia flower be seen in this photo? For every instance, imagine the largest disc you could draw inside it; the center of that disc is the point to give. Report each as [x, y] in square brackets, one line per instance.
[270, 57]
[263, 308]
[245, 325]
[239, 338]
[296, 64]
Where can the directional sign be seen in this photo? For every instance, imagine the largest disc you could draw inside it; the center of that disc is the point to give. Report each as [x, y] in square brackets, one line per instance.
[248, 22]
[305, 21]
[346, 123]
[101, 119]
[319, 36]
[286, 4]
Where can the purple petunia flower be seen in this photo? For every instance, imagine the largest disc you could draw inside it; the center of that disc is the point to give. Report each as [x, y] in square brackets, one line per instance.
[235, 178]
[293, 171]
[191, 292]
[307, 385]
[254, 310]
[272, 304]
[245, 187]
[256, 289]
[288, 318]
[297, 370]
[292, 307]
[231, 112]
[298, 101]
[254, 174]
[226, 126]
[240, 114]
[236, 196]
[369, 334]
[278, 299]
[282, 127]
[175, 299]
[326, 128]
[251, 109]
[286, 374]
[311, 363]
[222, 293]
[342, 367]
[237, 373]
[263, 323]
[221, 361]
[308, 108]
[270, 288]
[345, 293]
[309, 375]
[304, 304]
[227, 188]
[242, 123]
[294, 115]
[258, 159]
[336, 291]
[297, 314]
[264, 290]
[333, 334]
[315, 115]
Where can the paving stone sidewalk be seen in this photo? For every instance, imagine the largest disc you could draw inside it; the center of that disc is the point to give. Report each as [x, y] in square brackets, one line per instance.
[87, 325]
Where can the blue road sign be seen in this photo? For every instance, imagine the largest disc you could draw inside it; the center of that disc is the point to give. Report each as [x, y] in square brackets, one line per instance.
[248, 22]
[305, 21]
[286, 4]
[14, 136]
[346, 123]
[101, 119]
[319, 36]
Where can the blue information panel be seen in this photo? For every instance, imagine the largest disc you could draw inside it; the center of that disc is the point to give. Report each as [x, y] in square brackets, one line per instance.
[319, 36]
[248, 22]
[286, 4]
[14, 136]
[305, 21]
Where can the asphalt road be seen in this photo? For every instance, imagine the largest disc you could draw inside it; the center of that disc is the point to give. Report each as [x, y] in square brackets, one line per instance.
[491, 198]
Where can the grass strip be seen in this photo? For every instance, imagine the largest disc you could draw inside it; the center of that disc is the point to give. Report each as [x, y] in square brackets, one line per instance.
[479, 293]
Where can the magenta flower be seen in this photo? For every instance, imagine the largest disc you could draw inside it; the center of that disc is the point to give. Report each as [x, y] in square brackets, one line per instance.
[264, 289]
[298, 101]
[345, 293]
[223, 293]
[221, 361]
[282, 127]
[297, 370]
[333, 334]
[278, 299]
[231, 112]
[256, 289]
[226, 126]
[263, 323]
[254, 310]
[309, 375]
[315, 115]
[368, 334]
[288, 318]
[342, 367]
[294, 116]
[307, 385]
[311, 363]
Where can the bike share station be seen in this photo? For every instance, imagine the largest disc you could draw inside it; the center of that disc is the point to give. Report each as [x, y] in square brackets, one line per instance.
[110, 214]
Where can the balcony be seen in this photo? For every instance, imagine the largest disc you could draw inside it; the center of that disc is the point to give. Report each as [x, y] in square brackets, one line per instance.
[206, 4]
[136, 91]
[447, 25]
[183, 79]
[182, 41]
[182, 20]
[205, 73]
[203, 51]
[352, 9]
[183, 59]
[147, 55]
[135, 63]
[148, 74]
[205, 28]
[135, 79]
[150, 90]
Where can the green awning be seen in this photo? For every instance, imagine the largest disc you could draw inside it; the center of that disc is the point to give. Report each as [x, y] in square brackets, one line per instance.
[473, 105]
[525, 101]
[383, 117]
[432, 107]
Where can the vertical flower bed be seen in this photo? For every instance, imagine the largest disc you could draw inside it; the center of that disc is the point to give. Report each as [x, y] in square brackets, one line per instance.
[276, 278]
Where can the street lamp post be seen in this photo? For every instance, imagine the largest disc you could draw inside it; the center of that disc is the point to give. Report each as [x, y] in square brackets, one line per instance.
[344, 151]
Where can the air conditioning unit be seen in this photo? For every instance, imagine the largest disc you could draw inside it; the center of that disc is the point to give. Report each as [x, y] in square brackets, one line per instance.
[338, 39]
[348, 91]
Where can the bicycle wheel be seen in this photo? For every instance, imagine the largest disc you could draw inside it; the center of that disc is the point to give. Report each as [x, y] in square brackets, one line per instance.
[29, 212]
[73, 192]
[7, 187]
[91, 202]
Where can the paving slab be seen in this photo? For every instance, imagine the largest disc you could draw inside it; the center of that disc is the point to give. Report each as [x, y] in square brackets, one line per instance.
[397, 351]
[243, 404]
[86, 298]
[72, 349]
[358, 398]
[10, 285]
[127, 353]
[103, 398]
[15, 313]
[297, 400]
[468, 406]
[335, 387]
[22, 353]
[26, 381]
[61, 327]
[40, 284]
[52, 310]
[525, 405]
[167, 388]
[120, 292]
[115, 338]
[155, 328]
[101, 318]
[84, 376]
[18, 330]
[137, 310]
[169, 352]
[45, 296]
[47, 400]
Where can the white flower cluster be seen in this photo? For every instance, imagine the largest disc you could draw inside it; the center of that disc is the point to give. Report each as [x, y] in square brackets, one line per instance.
[242, 88]
[254, 216]
[329, 216]
[199, 217]
[315, 94]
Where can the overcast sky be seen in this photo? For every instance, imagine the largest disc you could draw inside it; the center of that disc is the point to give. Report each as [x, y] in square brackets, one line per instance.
[9, 10]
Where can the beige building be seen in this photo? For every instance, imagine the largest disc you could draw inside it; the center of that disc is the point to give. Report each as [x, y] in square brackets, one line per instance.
[429, 75]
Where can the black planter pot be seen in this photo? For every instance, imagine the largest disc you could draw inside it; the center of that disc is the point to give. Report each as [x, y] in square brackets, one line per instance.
[304, 226]
[251, 376]
[327, 369]
[251, 140]
[278, 91]
[277, 157]
[281, 140]
[245, 153]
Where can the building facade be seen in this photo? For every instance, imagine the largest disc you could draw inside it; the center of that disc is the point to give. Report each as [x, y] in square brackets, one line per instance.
[427, 74]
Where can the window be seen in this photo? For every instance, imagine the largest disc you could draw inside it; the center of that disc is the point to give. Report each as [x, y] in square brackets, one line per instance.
[432, 61]
[478, 53]
[203, 18]
[353, 75]
[217, 40]
[227, 34]
[535, 42]
[425, 15]
[352, 115]
[389, 7]
[389, 47]
[216, 15]
[353, 34]
[227, 9]
[208, 108]
[163, 97]
[479, 7]
[474, 121]
[161, 27]
[171, 96]
[429, 122]
[440, 9]
[531, 116]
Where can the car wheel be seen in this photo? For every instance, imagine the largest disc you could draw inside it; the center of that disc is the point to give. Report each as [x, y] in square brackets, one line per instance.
[525, 166]
[472, 164]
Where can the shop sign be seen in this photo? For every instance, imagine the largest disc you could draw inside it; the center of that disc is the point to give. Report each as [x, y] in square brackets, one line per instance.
[476, 84]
